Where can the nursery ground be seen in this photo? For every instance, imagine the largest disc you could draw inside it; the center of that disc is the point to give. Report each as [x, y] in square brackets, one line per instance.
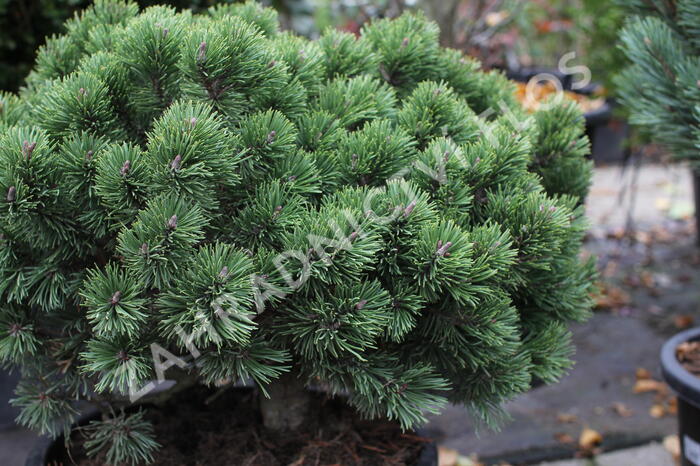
[650, 275]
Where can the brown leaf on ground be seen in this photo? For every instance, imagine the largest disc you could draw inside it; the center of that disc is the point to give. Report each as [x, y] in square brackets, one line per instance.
[683, 321]
[644, 237]
[673, 445]
[447, 456]
[616, 233]
[657, 411]
[647, 279]
[563, 438]
[610, 269]
[589, 439]
[611, 297]
[642, 374]
[622, 410]
[650, 385]
[662, 235]
[566, 418]
[672, 407]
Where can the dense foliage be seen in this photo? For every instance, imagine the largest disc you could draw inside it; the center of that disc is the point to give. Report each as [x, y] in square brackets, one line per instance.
[660, 86]
[373, 215]
[25, 24]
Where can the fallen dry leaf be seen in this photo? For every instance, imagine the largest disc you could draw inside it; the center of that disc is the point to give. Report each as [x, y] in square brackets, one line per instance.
[622, 410]
[566, 418]
[642, 374]
[644, 237]
[611, 297]
[672, 407]
[650, 385]
[673, 445]
[647, 279]
[589, 439]
[617, 233]
[683, 321]
[447, 456]
[657, 411]
[564, 438]
[662, 234]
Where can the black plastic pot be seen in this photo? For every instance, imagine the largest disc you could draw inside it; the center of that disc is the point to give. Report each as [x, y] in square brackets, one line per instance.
[49, 451]
[606, 137]
[687, 387]
[696, 191]
[46, 450]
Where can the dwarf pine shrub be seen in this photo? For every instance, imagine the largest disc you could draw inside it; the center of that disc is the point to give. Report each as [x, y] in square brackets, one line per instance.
[207, 195]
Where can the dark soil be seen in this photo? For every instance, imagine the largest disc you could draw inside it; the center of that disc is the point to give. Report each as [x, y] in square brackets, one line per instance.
[228, 431]
[688, 354]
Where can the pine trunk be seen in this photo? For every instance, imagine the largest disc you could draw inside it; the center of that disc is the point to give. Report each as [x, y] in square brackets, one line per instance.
[287, 407]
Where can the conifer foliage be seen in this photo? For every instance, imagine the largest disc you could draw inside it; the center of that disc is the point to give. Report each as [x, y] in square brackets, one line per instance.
[660, 87]
[209, 195]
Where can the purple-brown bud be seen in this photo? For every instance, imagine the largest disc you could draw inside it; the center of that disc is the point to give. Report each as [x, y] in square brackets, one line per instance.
[125, 168]
[27, 149]
[202, 52]
[407, 211]
[172, 223]
[11, 194]
[15, 329]
[122, 356]
[175, 164]
[116, 297]
[442, 248]
[271, 136]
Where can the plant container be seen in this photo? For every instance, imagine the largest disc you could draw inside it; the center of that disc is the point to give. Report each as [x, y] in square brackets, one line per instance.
[687, 387]
[47, 451]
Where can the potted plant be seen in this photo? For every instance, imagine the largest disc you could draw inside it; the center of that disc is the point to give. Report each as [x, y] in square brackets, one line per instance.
[680, 365]
[659, 87]
[195, 200]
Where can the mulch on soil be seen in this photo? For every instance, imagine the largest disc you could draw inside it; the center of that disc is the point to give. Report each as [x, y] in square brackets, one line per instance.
[228, 431]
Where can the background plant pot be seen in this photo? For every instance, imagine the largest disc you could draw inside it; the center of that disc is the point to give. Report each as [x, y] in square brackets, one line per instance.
[696, 195]
[687, 387]
[607, 134]
[52, 451]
